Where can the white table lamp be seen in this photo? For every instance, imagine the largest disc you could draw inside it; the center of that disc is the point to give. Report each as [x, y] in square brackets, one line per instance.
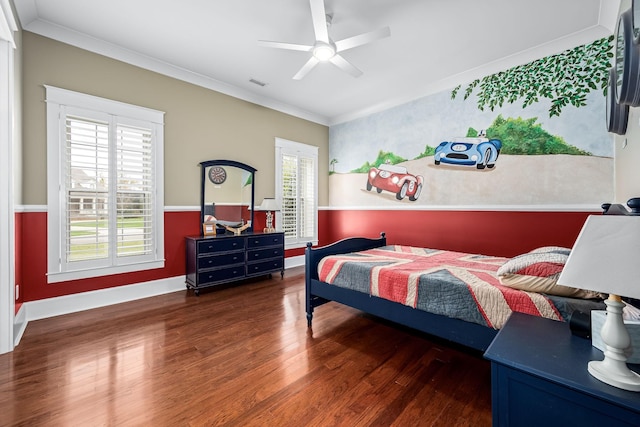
[606, 258]
[269, 205]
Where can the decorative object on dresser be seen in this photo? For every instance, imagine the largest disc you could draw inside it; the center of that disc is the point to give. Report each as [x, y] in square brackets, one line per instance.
[269, 205]
[237, 230]
[605, 259]
[209, 228]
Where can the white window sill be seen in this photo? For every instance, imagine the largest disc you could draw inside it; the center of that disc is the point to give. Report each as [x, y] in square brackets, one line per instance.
[57, 277]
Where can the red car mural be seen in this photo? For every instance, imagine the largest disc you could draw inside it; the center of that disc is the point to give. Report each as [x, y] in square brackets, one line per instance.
[395, 179]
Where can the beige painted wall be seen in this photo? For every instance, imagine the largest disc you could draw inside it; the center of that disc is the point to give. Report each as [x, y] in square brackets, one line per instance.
[200, 124]
[627, 160]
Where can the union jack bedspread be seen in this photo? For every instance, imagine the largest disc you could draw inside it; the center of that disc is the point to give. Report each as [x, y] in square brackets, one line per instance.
[453, 284]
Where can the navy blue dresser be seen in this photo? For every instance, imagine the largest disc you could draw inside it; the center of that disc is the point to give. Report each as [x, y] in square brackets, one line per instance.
[224, 258]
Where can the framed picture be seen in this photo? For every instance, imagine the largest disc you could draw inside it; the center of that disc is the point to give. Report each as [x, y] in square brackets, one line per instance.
[209, 228]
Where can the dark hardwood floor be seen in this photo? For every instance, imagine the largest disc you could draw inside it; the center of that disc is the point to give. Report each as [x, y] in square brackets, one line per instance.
[238, 356]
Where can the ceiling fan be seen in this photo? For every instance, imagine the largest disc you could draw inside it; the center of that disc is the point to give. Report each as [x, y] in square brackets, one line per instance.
[325, 49]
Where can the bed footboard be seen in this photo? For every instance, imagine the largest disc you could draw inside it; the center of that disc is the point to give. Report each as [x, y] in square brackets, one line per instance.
[314, 255]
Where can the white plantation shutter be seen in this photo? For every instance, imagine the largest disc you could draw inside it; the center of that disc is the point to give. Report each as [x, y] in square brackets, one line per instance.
[86, 189]
[297, 192]
[289, 204]
[134, 191]
[307, 198]
[104, 186]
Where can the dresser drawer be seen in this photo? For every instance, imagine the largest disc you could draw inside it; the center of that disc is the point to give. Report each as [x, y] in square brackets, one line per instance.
[265, 266]
[222, 245]
[220, 260]
[220, 274]
[265, 240]
[260, 254]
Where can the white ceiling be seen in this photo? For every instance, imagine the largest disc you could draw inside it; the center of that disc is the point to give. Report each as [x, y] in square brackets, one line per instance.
[434, 44]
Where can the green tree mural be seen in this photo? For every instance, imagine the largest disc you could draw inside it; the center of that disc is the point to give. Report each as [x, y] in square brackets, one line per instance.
[565, 79]
[332, 165]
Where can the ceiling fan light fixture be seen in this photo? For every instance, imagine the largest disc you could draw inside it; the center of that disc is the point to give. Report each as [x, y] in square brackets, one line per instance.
[323, 51]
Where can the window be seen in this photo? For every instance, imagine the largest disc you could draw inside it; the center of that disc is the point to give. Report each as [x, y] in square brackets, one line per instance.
[105, 186]
[297, 192]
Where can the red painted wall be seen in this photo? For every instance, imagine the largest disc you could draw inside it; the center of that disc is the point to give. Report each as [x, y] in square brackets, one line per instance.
[31, 256]
[18, 260]
[487, 232]
[33, 253]
[501, 233]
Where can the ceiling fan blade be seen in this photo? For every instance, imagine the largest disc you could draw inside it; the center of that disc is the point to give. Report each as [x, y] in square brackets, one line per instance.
[345, 65]
[312, 62]
[361, 39]
[281, 45]
[319, 17]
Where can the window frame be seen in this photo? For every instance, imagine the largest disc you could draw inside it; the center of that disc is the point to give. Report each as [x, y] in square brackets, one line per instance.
[60, 103]
[298, 149]
[8, 134]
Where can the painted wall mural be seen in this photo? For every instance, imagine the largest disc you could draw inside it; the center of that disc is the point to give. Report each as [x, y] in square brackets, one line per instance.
[531, 135]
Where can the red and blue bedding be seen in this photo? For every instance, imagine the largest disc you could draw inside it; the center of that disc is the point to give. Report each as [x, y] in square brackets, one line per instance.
[453, 284]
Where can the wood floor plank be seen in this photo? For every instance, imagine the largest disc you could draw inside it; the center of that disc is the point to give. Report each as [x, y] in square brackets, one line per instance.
[239, 355]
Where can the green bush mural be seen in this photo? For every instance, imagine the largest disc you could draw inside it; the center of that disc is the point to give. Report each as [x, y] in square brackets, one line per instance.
[565, 79]
[525, 136]
[383, 157]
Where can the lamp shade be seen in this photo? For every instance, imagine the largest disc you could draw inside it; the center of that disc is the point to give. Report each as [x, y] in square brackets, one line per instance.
[606, 256]
[269, 204]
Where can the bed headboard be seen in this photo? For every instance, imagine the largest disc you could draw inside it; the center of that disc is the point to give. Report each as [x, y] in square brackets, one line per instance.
[353, 244]
[618, 209]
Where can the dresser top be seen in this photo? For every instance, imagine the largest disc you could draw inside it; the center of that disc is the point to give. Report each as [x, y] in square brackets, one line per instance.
[230, 235]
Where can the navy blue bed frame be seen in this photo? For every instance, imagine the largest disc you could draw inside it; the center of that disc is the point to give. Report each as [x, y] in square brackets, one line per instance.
[317, 293]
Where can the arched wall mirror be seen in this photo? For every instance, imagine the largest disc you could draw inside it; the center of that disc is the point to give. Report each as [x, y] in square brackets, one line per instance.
[227, 192]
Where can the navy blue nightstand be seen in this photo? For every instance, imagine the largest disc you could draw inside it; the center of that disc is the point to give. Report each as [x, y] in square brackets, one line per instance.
[539, 378]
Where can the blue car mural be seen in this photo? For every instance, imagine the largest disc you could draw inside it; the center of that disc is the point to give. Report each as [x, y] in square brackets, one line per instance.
[481, 152]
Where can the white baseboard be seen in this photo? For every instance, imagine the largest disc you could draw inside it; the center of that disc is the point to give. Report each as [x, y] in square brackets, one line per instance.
[19, 324]
[294, 261]
[66, 304]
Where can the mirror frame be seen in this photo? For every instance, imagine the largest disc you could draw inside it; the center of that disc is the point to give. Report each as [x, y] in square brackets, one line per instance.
[231, 163]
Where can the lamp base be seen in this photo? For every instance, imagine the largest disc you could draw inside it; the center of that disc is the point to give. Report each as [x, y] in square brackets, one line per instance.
[624, 378]
[269, 230]
[613, 369]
